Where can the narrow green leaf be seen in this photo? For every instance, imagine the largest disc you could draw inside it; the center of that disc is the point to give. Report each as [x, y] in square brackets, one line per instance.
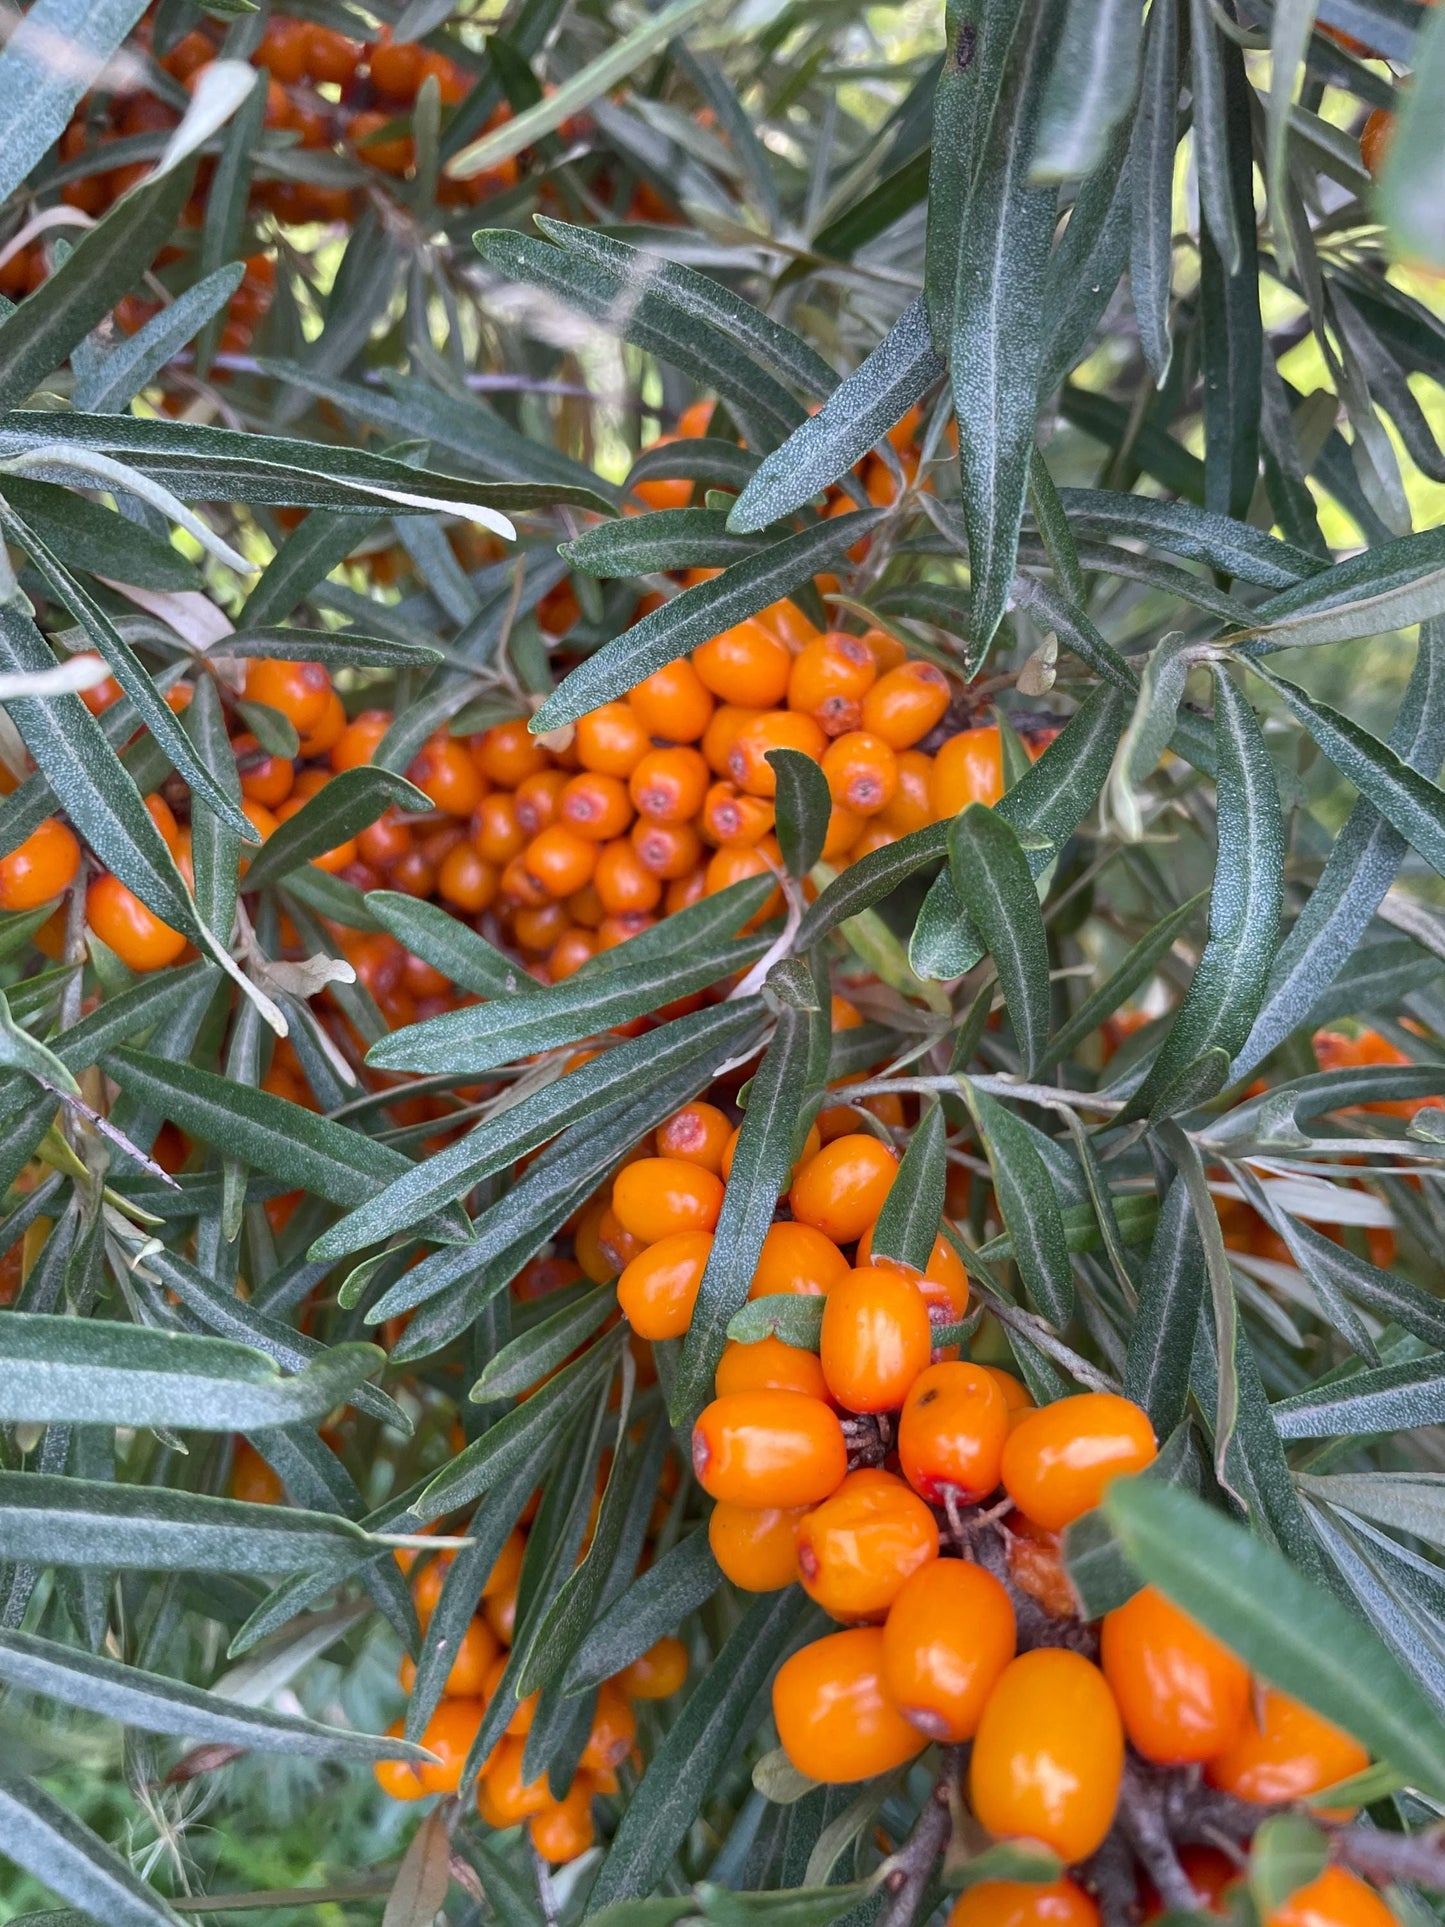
[1161, 1341]
[795, 1317]
[992, 877]
[803, 808]
[445, 942]
[533, 1353]
[1137, 968]
[1151, 184]
[1412, 187]
[347, 804]
[908, 1223]
[1091, 89]
[73, 1862]
[656, 1602]
[1029, 1206]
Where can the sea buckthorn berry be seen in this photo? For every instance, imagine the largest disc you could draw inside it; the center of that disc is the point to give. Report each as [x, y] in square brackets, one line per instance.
[1049, 1754]
[39, 868]
[797, 1260]
[836, 1722]
[658, 1289]
[324, 735]
[769, 1449]
[1024, 1903]
[507, 753]
[298, 689]
[655, 1197]
[769, 1365]
[862, 772]
[449, 1734]
[696, 1134]
[477, 1652]
[614, 1730]
[856, 1549]
[668, 785]
[1016, 1395]
[967, 769]
[656, 1674]
[747, 664]
[265, 779]
[722, 732]
[673, 703]
[949, 1634]
[560, 860]
[624, 882]
[841, 1191]
[912, 805]
[904, 705]
[1334, 1899]
[467, 880]
[398, 1779]
[829, 679]
[508, 1567]
[525, 1710]
[756, 1546]
[944, 1284]
[669, 850]
[356, 744]
[747, 759]
[732, 820]
[331, 56]
[564, 1829]
[1182, 1695]
[443, 768]
[396, 68]
[951, 1433]
[1059, 1460]
[875, 1339]
[1287, 1754]
[134, 933]
[253, 1478]
[572, 949]
[497, 836]
[537, 797]
[504, 1798]
[1375, 137]
[730, 866]
[844, 829]
[595, 806]
[612, 740]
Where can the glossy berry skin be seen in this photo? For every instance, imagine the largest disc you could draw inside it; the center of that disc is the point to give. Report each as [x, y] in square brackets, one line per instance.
[842, 1189]
[398, 1779]
[797, 1260]
[905, 704]
[656, 1674]
[862, 772]
[967, 769]
[1182, 1695]
[949, 1634]
[658, 1289]
[1335, 1899]
[134, 933]
[1059, 1460]
[1049, 1754]
[298, 689]
[1288, 1755]
[673, 703]
[696, 1134]
[1022, 1903]
[769, 1366]
[746, 664]
[564, 1829]
[769, 1449]
[504, 1798]
[951, 1432]
[756, 1546]
[875, 1340]
[856, 1550]
[40, 867]
[449, 1734]
[833, 1717]
[944, 1283]
[467, 1679]
[658, 1196]
[614, 1730]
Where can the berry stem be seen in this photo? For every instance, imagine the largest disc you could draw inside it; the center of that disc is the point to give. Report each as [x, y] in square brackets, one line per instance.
[1418, 1859]
[911, 1868]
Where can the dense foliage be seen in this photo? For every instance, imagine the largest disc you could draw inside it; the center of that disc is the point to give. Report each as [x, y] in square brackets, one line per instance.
[577, 579]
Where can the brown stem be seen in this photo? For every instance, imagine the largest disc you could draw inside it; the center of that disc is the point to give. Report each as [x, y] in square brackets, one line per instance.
[1417, 1858]
[911, 1868]
[1035, 1626]
[1144, 1825]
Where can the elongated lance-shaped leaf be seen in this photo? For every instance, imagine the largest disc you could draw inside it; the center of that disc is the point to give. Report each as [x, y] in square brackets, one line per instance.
[1028, 1204]
[992, 877]
[699, 614]
[1287, 1629]
[711, 1036]
[1091, 89]
[76, 1370]
[84, 534]
[656, 1602]
[348, 803]
[1244, 904]
[682, 538]
[528, 1358]
[907, 1225]
[1161, 1343]
[1381, 1398]
[1371, 593]
[1361, 867]
[764, 1156]
[1085, 267]
[1231, 335]
[978, 34]
[1213, 131]
[803, 808]
[1180, 528]
[136, 359]
[446, 942]
[37, 90]
[879, 392]
[215, 845]
[1137, 968]
[1151, 183]
[996, 336]
[61, 1851]
[343, 649]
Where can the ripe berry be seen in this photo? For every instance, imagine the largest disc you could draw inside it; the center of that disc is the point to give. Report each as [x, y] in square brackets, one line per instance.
[1334, 1899]
[912, 806]
[862, 772]
[40, 867]
[875, 1339]
[967, 769]
[564, 1829]
[673, 703]
[833, 1716]
[504, 1798]
[612, 740]
[746, 664]
[904, 705]
[696, 1134]
[1049, 1754]
[769, 1366]
[538, 798]
[747, 757]
[830, 679]
[668, 785]
[614, 1730]
[654, 1197]
[1182, 1695]
[769, 1449]
[559, 860]
[951, 1433]
[797, 1260]
[497, 836]
[449, 1734]
[756, 1546]
[269, 779]
[669, 850]
[1059, 1460]
[476, 1655]
[298, 689]
[507, 753]
[1021, 1903]
[732, 820]
[624, 883]
[1375, 137]
[841, 1191]
[949, 1634]
[398, 1779]
[856, 1549]
[659, 1287]
[944, 1284]
[656, 1674]
[134, 933]
[1289, 1754]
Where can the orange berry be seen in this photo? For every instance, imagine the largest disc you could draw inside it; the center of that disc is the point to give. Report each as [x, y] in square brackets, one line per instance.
[747, 757]
[1375, 137]
[504, 1798]
[669, 850]
[507, 753]
[612, 740]
[497, 836]
[508, 1568]
[729, 866]
[769, 1449]
[1023, 1903]
[572, 949]
[912, 807]
[477, 1653]
[398, 1778]
[1016, 1395]
[357, 744]
[1334, 1899]
[768, 1365]
[655, 1197]
[559, 860]
[967, 769]
[445, 770]
[833, 1716]
[265, 779]
[1182, 1695]
[449, 1734]
[673, 703]
[1289, 1754]
[668, 785]
[756, 1546]
[525, 1710]
[875, 1340]
[733, 820]
[862, 772]
[563, 1829]
[324, 735]
[949, 1634]
[858, 1547]
[659, 1287]
[797, 1260]
[951, 1432]
[722, 732]
[696, 1134]
[396, 70]
[944, 1284]
[830, 678]
[747, 664]
[39, 868]
[623, 881]
[331, 56]
[658, 1673]
[905, 704]
[1049, 1754]
[842, 1189]
[595, 806]
[134, 933]
[466, 880]
[298, 689]
[537, 798]
[614, 1730]
[253, 1478]
[1059, 1460]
